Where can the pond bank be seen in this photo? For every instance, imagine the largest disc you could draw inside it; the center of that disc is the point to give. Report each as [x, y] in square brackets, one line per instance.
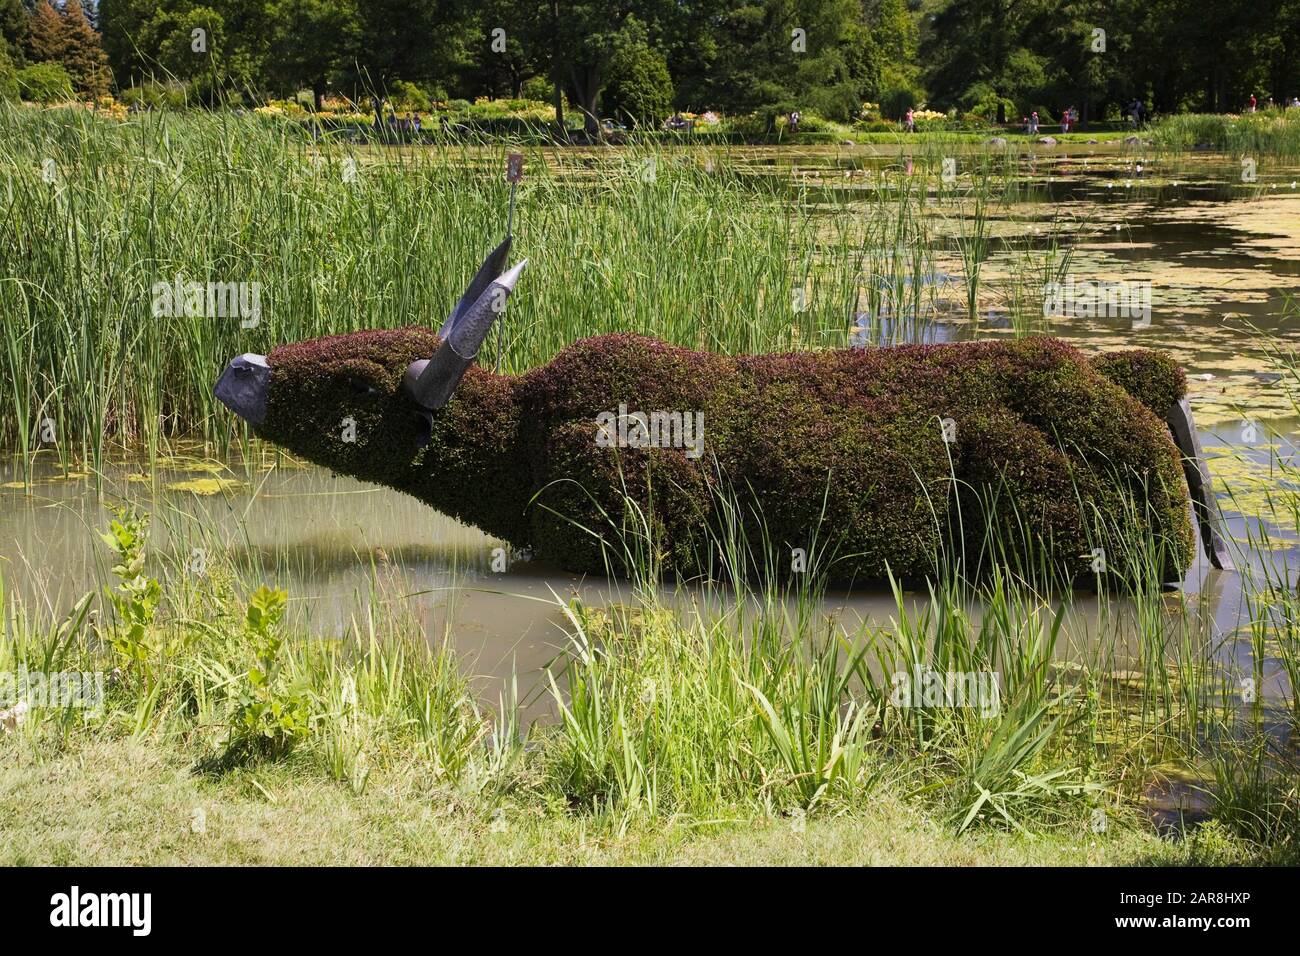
[130, 802]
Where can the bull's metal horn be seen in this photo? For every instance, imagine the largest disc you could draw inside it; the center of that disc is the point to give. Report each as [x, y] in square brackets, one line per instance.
[431, 382]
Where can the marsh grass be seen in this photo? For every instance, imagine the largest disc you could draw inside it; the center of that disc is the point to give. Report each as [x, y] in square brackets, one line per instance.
[667, 252]
[661, 716]
[666, 242]
[1268, 133]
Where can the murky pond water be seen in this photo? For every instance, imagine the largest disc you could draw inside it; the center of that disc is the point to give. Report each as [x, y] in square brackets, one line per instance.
[343, 548]
[1222, 255]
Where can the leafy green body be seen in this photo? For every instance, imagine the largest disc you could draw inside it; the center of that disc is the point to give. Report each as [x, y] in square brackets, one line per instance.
[846, 448]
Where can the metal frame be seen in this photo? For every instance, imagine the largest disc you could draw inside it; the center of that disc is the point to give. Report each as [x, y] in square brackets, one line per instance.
[1183, 427]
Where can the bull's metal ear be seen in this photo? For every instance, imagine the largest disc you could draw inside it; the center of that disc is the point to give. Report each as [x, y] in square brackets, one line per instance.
[488, 271]
[430, 382]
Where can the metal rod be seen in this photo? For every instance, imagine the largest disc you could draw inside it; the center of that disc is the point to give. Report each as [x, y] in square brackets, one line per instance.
[510, 229]
[510, 220]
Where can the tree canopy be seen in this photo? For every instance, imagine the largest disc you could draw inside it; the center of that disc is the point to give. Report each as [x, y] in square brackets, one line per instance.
[642, 58]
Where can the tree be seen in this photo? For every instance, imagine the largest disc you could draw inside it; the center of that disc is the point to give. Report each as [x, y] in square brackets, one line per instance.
[311, 41]
[584, 36]
[895, 31]
[742, 56]
[641, 88]
[185, 43]
[241, 61]
[508, 47]
[157, 39]
[866, 61]
[969, 44]
[13, 30]
[777, 55]
[44, 35]
[121, 25]
[415, 40]
[581, 39]
[83, 57]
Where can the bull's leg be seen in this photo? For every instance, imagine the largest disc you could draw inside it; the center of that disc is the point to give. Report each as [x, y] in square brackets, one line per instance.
[1198, 483]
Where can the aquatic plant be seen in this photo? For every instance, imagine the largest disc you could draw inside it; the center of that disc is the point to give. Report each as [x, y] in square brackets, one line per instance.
[1274, 133]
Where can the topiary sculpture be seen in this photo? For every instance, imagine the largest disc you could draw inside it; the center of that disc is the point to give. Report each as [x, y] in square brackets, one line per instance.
[895, 454]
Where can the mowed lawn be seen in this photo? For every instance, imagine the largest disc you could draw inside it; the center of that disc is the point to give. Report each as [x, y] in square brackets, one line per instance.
[130, 802]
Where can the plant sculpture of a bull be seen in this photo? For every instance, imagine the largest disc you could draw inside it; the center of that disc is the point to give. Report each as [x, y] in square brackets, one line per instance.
[891, 455]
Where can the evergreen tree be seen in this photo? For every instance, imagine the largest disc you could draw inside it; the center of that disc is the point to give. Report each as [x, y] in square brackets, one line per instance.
[83, 56]
[45, 36]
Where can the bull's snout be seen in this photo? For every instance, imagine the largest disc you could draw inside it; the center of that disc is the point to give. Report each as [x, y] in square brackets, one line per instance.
[243, 386]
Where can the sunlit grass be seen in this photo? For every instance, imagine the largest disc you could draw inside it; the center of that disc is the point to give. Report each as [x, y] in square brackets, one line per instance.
[744, 703]
[680, 243]
[1274, 133]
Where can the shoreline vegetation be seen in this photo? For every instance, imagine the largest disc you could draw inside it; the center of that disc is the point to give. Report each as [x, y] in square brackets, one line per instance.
[379, 239]
[1273, 131]
[748, 728]
[282, 815]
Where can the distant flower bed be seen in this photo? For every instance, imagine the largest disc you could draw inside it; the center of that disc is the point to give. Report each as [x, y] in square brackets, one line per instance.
[104, 106]
[524, 119]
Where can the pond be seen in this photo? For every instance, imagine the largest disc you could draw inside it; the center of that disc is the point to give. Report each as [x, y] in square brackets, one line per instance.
[1222, 256]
